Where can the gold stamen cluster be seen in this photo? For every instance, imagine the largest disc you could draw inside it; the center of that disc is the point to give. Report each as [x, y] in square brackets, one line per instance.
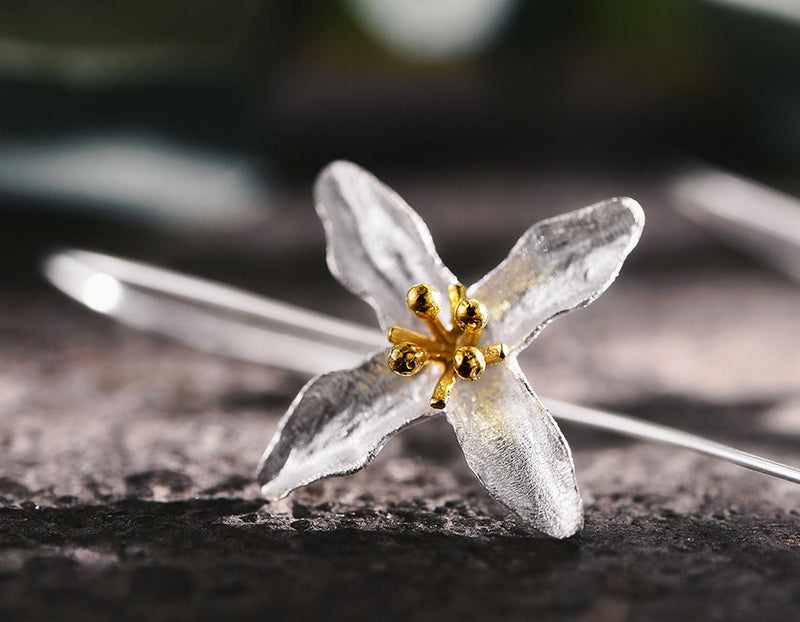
[456, 348]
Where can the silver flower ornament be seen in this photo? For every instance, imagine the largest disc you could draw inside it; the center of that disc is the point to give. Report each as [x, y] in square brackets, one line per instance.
[380, 249]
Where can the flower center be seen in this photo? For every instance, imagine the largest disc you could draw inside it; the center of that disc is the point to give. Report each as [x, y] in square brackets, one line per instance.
[456, 348]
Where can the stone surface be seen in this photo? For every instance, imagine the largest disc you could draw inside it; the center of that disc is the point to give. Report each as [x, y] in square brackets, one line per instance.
[127, 463]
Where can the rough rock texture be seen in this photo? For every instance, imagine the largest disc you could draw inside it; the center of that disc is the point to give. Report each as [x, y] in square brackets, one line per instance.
[127, 462]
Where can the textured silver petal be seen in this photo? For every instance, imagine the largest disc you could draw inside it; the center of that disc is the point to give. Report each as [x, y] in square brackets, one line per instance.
[378, 247]
[339, 422]
[558, 265]
[516, 450]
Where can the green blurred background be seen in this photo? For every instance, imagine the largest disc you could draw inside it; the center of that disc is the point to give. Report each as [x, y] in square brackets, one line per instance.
[194, 116]
[299, 83]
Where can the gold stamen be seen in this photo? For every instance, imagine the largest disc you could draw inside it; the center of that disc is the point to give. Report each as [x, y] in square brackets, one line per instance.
[443, 389]
[456, 348]
[395, 334]
[439, 332]
[494, 353]
[456, 293]
[469, 339]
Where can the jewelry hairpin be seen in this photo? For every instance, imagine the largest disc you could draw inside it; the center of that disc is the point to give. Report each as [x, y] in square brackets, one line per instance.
[458, 358]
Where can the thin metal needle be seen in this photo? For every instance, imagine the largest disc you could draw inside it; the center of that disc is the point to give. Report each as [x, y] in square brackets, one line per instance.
[636, 428]
[209, 316]
[750, 216]
[264, 331]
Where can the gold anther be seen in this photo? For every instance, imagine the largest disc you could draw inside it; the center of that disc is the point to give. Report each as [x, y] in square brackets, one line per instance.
[407, 359]
[469, 362]
[424, 301]
[471, 315]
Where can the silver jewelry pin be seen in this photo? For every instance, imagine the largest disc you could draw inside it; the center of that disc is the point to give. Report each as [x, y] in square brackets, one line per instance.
[461, 359]
[755, 218]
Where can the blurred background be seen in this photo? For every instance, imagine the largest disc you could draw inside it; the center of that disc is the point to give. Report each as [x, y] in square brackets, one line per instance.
[188, 133]
[160, 129]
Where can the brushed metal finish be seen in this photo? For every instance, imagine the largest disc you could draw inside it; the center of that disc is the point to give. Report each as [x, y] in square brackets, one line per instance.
[516, 450]
[378, 247]
[558, 265]
[339, 422]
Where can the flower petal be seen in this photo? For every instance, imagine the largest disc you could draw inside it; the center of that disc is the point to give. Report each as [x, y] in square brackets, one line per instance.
[339, 422]
[558, 265]
[378, 247]
[516, 450]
